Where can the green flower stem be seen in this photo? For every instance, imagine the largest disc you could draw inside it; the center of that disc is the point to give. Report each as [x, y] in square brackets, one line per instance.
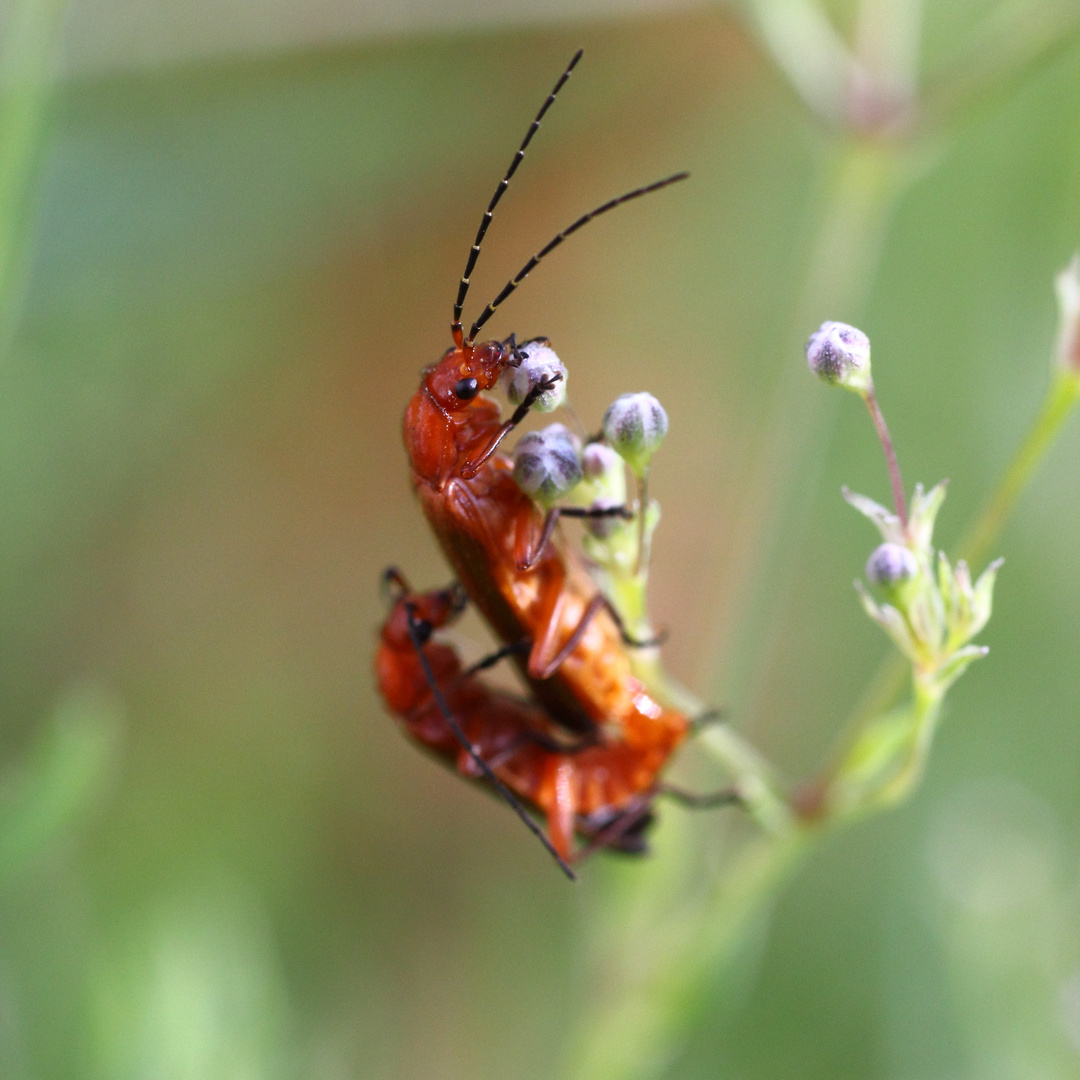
[676, 954]
[626, 591]
[927, 698]
[1061, 398]
[886, 759]
[642, 482]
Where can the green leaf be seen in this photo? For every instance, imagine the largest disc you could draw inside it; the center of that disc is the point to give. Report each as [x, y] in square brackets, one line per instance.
[957, 664]
[924, 511]
[63, 775]
[891, 621]
[887, 522]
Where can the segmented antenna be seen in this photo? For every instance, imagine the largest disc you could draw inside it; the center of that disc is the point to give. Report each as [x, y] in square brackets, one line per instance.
[528, 268]
[459, 734]
[485, 221]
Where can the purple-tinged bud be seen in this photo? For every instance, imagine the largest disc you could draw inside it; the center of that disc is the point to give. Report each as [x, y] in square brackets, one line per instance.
[599, 462]
[538, 363]
[635, 425]
[546, 463]
[890, 565]
[604, 486]
[840, 355]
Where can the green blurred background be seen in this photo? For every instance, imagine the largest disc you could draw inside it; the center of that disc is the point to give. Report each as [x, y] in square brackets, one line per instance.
[218, 856]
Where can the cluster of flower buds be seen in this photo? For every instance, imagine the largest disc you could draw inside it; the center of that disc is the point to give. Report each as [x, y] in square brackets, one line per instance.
[931, 610]
[553, 467]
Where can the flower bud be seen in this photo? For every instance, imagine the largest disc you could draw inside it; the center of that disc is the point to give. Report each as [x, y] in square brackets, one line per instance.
[538, 362]
[604, 486]
[605, 472]
[840, 355]
[890, 565]
[546, 463]
[635, 426]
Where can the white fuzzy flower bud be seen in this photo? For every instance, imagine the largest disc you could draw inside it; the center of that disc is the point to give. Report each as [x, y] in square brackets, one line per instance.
[840, 355]
[635, 426]
[538, 363]
[890, 565]
[546, 463]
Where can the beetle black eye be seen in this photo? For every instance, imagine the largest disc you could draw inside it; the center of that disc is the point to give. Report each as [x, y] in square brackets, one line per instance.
[466, 389]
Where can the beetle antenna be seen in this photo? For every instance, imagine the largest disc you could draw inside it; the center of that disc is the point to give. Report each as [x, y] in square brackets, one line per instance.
[418, 640]
[528, 268]
[485, 221]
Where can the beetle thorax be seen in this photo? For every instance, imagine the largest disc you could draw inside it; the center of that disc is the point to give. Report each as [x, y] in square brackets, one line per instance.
[447, 416]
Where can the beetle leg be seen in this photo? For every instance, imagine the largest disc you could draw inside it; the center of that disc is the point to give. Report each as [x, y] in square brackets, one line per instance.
[562, 807]
[635, 816]
[730, 796]
[467, 766]
[542, 664]
[474, 465]
[637, 643]
[515, 648]
[586, 742]
[706, 719]
[527, 560]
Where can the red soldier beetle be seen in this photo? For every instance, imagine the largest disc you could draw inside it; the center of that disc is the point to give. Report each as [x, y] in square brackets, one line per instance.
[487, 733]
[535, 594]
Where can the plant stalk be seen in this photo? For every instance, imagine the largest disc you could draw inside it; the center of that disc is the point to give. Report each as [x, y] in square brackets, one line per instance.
[895, 479]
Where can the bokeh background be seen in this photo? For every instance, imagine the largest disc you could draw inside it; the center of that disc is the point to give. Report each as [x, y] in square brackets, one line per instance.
[238, 244]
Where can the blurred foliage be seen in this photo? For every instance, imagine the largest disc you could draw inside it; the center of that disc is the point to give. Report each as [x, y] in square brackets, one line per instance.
[28, 51]
[234, 273]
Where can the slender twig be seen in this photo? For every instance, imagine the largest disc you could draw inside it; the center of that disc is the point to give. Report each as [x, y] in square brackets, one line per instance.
[1060, 399]
[643, 509]
[890, 456]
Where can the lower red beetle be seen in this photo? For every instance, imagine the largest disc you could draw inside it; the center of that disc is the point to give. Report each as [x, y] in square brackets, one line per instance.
[578, 786]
